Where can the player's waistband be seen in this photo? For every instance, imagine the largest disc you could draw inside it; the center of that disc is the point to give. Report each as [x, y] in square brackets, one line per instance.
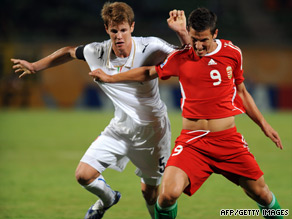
[207, 132]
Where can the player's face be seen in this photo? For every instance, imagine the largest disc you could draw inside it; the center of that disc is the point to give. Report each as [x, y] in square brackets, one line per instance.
[203, 42]
[120, 35]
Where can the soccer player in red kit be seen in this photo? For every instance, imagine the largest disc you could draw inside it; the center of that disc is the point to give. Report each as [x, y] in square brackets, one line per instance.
[211, 80]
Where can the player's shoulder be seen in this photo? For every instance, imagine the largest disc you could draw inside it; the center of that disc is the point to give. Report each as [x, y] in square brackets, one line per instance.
[151, 41]
[184, 52]
[230, 47]
[98, 49]
[179, 56]
[146, 40]
[96, 46]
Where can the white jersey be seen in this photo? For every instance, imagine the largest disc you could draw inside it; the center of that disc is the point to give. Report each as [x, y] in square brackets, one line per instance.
[140, 101]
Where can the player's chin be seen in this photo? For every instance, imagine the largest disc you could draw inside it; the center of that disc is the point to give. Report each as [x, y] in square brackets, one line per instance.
[201, 53]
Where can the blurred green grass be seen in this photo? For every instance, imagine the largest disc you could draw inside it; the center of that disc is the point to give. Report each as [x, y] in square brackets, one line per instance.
[39, 151]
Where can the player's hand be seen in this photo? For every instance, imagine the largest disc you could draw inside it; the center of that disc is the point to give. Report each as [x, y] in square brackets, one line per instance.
[273, 135]
[100, 75]
[23, 67]
[177, 20]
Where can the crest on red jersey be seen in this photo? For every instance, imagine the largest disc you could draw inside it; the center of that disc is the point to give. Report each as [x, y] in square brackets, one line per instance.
[229, 72]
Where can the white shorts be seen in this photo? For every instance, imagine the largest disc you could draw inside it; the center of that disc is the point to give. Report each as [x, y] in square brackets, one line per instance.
[146, 146]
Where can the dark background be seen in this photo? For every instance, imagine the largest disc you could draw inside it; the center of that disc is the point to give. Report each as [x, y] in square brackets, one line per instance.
[33, 29]
[257, 21]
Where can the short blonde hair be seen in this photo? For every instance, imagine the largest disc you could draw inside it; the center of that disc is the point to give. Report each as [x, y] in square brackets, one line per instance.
[117, 12]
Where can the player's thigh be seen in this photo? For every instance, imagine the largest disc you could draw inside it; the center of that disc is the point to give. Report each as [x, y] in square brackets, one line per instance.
[150, 164]
[106, 151]
[151, 151]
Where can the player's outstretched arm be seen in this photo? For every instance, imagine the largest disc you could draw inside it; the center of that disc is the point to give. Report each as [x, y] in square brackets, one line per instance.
[253, 112]
[177, 22]
[59, 57]
[140, 74]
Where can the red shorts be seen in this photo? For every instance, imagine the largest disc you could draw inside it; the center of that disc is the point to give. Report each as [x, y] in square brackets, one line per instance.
[200, 153]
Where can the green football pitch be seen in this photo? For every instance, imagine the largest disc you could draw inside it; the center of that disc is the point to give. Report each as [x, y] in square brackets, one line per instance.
[39, 151]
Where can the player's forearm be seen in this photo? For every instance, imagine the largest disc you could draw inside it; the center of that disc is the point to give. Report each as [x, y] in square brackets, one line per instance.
[252, 110]
[140, 74]
[59, 57]
[184, 37]
[254, 113]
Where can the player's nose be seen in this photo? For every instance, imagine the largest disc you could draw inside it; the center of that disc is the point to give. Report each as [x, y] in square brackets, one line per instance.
[119, 35]
[199, 45]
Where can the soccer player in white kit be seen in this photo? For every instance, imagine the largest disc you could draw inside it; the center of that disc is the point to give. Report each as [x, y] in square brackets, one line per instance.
[140, 129]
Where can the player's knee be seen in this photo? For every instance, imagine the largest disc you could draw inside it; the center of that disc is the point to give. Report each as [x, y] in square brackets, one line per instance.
[265, 195]
[84, 178]
[150, 195]
[81, 178]
[262, 194]
[261, 191]
[168, 197]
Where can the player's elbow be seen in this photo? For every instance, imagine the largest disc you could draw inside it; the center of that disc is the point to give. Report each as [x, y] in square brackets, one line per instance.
[150, 73]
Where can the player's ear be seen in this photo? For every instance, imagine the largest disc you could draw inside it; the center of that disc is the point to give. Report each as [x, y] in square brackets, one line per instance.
[215, 34]
[132, 26]
[106, 28]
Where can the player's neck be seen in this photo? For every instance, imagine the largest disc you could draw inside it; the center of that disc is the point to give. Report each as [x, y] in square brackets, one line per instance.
[213, 46]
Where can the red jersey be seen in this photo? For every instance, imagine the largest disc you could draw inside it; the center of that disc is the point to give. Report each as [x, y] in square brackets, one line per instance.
[208, 84]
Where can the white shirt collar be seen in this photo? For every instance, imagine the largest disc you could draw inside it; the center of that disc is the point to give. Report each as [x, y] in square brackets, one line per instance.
[219, 45]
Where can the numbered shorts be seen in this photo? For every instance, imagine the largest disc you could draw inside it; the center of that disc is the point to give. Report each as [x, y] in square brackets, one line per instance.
[201, 153]
[146, 146]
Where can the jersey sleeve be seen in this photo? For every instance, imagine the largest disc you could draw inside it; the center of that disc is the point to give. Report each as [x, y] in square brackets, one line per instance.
[165, 46]
[238, 71]
[173, 62]
[168, 68]
[159, 44]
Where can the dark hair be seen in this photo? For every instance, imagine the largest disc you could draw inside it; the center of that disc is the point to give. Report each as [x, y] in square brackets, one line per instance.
[117, 13]
[202, 19]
